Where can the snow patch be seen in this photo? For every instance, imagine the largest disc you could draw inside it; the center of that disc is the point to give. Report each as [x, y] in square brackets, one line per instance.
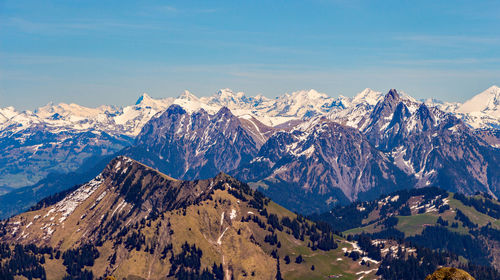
[66, 206]
[233, 214]
[219, 240]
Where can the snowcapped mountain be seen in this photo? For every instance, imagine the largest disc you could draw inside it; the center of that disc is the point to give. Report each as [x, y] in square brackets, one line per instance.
[130, 120]
[72, 117]
[60, 137]
[367, 96]
[321, 162]
[305, 103]
[6, 114]
[480, 112]
[487, 101]
[435, 147]
[361, 148]
[354, 111]
[272, 112]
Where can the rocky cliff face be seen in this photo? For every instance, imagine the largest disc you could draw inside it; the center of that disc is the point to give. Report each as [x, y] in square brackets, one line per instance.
[435, 147]
[324, 158]
[195, 145]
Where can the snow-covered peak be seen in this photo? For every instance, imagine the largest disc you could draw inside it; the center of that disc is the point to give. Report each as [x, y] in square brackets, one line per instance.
[146, 101]
[187, 95]
[227, 93]
[144, 98]
[72, 110]
[432, 101]
[297, 105]
[20, 121]
[261, 98]
[7, 113]
[441, 105]
[487, 101]
[192, 103]
[301, 103]
[408, 97]
[368, 96]
[307, 95]
[226, 97]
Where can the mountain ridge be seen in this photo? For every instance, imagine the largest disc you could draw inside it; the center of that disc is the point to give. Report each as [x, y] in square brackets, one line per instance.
[133, 222]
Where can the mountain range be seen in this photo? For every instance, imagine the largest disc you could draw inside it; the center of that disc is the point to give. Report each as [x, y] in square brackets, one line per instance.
[298, 148]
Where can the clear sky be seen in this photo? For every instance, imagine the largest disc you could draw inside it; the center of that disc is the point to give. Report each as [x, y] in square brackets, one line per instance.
[109, 52]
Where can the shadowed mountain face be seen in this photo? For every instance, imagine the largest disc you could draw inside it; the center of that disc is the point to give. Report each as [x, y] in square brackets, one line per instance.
[197, 145]
[134, 222]
[437, 148]
[326, 159]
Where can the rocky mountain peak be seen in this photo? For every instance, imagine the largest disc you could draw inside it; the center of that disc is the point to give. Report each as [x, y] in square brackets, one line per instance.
[400, 114]
[198, 144]
[392, 95]
[174, 109]
[425, 116]
[384, 112]
[390, 101]
[224, 112]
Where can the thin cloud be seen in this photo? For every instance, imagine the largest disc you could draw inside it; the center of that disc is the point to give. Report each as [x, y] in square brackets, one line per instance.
[168, 8]
[90, 24]
[171, 9]
[449, 40]
[33, 59]
[434, 62]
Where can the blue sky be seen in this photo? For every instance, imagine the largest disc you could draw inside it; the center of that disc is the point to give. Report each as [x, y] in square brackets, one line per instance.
[109, 52]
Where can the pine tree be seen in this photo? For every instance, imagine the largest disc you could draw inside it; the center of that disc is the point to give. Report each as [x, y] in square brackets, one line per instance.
[278, 271]
[299, 259]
